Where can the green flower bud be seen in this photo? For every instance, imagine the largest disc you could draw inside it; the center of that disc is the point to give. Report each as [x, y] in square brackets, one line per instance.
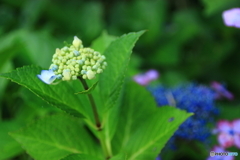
[90, 74]
[87, 62]
[66, 74]
[76, 42]
[75, 61]
[88, 68]
[74, 77]
[77, 69]
[99, 70]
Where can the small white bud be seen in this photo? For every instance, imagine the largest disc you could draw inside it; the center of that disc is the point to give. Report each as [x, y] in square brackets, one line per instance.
[76, 53]
[90, 74]
[80, 62]
[59, 76]
[99, 70]
[58, 51]
[67, 74]
[76, 42]
[77, 69]
[64, 49]
[92, 62]
[83, 72]
[53, 67]
[88, 68]
[74, 77]
[87, 62]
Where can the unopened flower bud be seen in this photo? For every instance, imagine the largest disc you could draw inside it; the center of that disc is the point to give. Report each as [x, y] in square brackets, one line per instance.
[76, 53]
[90, 74]
[76, 42]
[66, 74]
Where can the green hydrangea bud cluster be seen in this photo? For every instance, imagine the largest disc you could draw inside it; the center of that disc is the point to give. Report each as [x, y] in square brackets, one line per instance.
[76, 61]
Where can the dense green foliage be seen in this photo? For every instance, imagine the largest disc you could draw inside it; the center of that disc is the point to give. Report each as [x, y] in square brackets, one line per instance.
[186, 40]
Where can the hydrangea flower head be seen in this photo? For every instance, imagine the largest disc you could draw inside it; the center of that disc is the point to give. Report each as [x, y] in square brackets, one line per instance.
[71, 62]
[231, 17]
[194, 98]
[228, 133]
[146, 78]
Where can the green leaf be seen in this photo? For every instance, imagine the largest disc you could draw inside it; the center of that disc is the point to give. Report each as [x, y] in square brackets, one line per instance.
[89, 90]
[81, 157]
[33, 107]
[102, 42]
[110, 81]
[8, 146]
[56, 137]
[61, 95]
[117, 56]
[145, 128]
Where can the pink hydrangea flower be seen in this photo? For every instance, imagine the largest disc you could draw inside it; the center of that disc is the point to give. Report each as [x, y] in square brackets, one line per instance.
[147, 77]
[228, 133]
[221, 91]
[231, 17]
[219, 149]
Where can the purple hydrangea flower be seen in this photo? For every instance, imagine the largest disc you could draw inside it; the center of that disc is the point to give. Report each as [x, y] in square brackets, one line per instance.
[231, 17]
[146, 78]
[221, 91]
[229, 133]
[47, 76]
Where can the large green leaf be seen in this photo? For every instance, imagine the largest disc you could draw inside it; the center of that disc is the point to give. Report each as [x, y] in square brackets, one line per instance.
[81, 157]
[102, 42]
[55, 137]
[61, 95]
[110, 82]
[8, 146]
[117, 56]
[145, 128]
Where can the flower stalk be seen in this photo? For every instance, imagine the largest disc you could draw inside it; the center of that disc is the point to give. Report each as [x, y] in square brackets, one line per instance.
[106, 150]
[91, 100]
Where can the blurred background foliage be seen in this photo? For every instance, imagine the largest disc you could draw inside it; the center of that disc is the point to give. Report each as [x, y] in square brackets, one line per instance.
[186, 40]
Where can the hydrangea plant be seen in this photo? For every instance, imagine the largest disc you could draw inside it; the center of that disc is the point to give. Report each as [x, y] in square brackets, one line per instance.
[112, 118]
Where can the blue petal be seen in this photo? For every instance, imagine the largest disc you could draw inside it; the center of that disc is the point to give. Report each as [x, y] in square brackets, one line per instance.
[47, 76]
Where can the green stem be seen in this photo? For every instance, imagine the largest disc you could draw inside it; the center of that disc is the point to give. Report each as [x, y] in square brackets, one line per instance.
[94, 108]
[106, 150]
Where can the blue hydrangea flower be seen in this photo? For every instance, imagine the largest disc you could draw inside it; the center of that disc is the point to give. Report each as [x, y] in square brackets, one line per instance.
[194, 98]
[47, 76]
